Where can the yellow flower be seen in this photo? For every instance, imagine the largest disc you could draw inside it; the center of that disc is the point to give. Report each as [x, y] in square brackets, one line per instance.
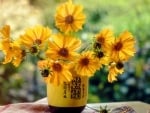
[69, 17]
[55, 72]
[11, 50]
[115, 69]
[60, 73]
[123, 47]
[87, 64]
[34, 38]
[63, 47]
[103, 40]
[44, 66]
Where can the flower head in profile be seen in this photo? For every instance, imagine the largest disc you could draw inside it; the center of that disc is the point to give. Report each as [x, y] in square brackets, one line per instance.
[69, 17]
[34, 38]
[55, 72]
[11, 50]
[63, 47]
[44, 66]
[123, 47]
[87, 64]
[115, 69]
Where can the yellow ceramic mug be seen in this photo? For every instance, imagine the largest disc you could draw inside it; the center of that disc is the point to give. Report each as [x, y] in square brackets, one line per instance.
[68, 97]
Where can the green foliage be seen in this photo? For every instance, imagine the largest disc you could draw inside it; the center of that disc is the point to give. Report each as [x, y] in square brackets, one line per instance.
[9, 80]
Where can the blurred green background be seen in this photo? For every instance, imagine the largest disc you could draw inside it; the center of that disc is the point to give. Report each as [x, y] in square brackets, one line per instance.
[24, 83]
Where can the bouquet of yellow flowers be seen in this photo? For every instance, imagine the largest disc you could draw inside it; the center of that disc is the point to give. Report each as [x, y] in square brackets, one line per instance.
[60, 51]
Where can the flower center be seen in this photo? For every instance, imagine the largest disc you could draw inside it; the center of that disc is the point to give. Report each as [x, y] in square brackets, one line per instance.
[97, 45]
[119, 65]
[33, 49]
[38, 41]
[69, 19]
[63, 52]
[100, 54]
[84, 61]
[23, 53]
[45, 73]
[57, 67]
[10, 48]
[118, 46]
[101, 40]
